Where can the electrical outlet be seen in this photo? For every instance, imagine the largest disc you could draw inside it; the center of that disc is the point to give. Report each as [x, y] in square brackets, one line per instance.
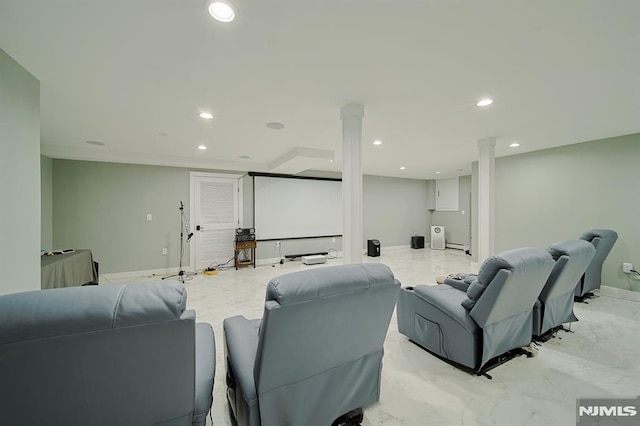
[333, 240]
[627, 267]
[149, 216]
[165, 250]
[277, 243]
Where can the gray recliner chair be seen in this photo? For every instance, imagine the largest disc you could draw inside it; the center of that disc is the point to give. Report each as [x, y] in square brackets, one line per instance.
[494, 315]
[603, 240]
[316, 354]
[555, 303]
[104, 355]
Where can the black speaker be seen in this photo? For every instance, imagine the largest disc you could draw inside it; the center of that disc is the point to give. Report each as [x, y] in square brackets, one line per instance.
[373, 248]
[417, 242]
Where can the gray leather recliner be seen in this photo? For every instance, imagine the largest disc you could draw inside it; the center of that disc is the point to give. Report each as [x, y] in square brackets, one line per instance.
[316, 354]
[104, 355]
[603, 240]
[555, 303]
[494, 315]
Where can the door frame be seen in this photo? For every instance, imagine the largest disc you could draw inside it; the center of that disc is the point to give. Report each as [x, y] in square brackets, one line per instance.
[192, 207]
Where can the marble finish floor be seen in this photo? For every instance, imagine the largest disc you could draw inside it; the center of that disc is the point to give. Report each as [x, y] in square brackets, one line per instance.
[599, 359]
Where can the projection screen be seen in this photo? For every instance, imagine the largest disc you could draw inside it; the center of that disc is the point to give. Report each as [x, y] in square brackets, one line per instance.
[294, 207]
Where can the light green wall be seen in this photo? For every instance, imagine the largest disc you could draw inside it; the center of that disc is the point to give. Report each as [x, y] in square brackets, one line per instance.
[103, 207]
[19, 178]
[394, 209]
[456, 224]
[556, 194]
[46, 201]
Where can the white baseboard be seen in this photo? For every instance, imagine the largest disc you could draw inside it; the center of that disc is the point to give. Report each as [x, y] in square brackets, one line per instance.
[146, 273]
[384, 249]
[393, 248]
[620, 293]
[268, 261]
[259, 262]
[454, 246]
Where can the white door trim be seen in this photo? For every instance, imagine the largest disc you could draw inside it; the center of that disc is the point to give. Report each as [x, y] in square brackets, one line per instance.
[192, 207]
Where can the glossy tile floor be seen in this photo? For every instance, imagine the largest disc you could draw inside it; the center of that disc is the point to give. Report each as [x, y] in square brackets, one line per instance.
[599, 359]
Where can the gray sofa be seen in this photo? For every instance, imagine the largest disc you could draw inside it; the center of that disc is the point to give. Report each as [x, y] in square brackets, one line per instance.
[603, 240]
[555, 303]
[104, 355]
[493, 316]
[316, 354]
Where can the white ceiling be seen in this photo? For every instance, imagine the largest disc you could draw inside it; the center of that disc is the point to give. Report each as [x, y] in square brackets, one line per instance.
[134, 74]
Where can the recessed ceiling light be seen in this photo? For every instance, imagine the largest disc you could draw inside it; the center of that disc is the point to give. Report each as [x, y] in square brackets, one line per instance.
[438, 173]
[202, 147]
[96, 143]
[402, 168]
[244, 157]
[206, 115]
[484, 102]
[514, 145]
[275, 125]
[377, 142]
[221, 11]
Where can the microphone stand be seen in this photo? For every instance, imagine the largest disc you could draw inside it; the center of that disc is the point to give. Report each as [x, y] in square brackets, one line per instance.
[183, 226]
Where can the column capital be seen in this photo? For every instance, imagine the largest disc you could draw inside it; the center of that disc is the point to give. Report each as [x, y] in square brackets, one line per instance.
[486, 142]
[351, 110]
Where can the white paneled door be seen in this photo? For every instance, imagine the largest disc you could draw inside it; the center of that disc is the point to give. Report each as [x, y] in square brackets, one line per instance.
[215, 214]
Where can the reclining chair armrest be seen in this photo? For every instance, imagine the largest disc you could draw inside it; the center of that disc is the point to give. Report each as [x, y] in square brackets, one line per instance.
[448, 300]
[241, 340]
[205, 373]
[463, 284]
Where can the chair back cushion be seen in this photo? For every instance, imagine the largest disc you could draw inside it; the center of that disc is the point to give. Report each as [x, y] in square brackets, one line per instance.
[566, 273]
[72, 310]
[99, 355]
[320, 344]
[603, 240]
[508, 284]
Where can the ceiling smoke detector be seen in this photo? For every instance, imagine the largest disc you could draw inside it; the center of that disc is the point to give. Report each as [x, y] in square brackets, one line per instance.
[275, 126]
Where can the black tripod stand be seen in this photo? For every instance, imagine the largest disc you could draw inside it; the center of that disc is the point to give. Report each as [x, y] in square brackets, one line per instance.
[184, 226]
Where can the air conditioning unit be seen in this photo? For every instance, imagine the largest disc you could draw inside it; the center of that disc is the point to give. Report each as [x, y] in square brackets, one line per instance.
[437, 237]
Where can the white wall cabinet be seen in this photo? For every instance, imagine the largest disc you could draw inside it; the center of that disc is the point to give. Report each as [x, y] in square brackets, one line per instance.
[447, 195]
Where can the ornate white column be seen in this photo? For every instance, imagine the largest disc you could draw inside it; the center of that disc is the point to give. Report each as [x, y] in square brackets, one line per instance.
[486, 174]
[352, 242]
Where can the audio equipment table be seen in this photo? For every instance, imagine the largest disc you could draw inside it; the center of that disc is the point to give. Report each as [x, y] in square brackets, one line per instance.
[241, 247]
